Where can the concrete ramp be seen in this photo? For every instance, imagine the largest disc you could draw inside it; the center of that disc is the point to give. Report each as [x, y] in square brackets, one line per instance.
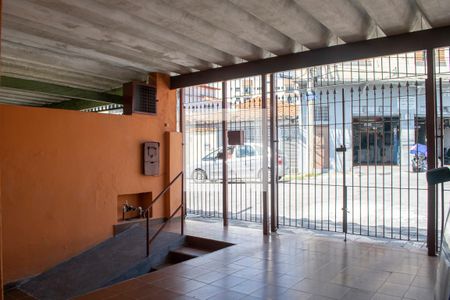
[116, 259]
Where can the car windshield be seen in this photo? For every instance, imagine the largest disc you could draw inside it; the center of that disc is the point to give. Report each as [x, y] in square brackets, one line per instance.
[213, 155]
[217, 154]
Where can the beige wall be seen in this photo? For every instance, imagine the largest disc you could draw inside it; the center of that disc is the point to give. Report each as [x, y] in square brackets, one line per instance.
[62, 172]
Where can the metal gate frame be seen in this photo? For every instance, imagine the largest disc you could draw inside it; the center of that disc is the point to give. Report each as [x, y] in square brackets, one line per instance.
[432, 240]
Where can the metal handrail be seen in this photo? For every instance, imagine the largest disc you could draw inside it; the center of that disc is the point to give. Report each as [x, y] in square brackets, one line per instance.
[181, 206]
[163, 191]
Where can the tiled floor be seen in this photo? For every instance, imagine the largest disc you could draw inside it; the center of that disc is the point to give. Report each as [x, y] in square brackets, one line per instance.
[306, 265]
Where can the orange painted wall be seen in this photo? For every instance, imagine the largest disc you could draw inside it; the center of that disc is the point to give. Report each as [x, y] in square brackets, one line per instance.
[1, 238]
[62, 172]
[175, 154]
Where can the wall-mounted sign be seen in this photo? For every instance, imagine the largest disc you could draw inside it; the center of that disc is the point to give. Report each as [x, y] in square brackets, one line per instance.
[151, 158]
[235, 137]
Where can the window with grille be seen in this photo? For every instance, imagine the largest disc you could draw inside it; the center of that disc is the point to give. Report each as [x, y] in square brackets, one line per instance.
[321, 113]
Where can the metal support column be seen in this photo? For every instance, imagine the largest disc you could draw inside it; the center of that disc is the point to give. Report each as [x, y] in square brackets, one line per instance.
[274, 157]
[181, 110]
[183, 205]
[224, 151]
[265, 159]
[430, 106]
[442, 156]
[183, 163]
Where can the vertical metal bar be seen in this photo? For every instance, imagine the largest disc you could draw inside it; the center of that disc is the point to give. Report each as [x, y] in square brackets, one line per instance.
[259, 195]
[302, 130]
[289, 118]
[399, 87]
[147, 234]
[274, 157]
[408, 120]
[430, 108]
[335, 159]
[368, 154]
[214, 113]
[198, 186]
[182, 204]
[329, 160]
[183, 157]
[309, 123]
[197, 142]
[296, 132]
[202, 146]
[375, 150]
[181, 98]
[236, 187]
[359, 156]
[441, 115]
[314, 147]
[265, 205]
[224, 159]
[202, 123]
[250, 192]
[436, 128]
[383, 153]
[416, 136]
[242, 197]
[277, 145]
[233, 126]
[344, 182]
[322, 152]
[186, 135]
[353, 155]
[285, 128]
[391, 148]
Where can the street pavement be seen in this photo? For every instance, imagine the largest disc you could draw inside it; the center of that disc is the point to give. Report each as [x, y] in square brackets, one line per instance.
[381, 201]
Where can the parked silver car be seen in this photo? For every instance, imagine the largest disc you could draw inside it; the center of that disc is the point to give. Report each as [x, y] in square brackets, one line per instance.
[244, 162]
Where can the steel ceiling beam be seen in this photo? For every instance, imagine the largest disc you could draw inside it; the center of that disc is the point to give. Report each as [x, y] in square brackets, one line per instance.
[59, 90]
[76, 104]
[413, 41]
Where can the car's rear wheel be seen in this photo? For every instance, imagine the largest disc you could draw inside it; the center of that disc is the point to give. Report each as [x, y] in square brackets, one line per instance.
[199, 176]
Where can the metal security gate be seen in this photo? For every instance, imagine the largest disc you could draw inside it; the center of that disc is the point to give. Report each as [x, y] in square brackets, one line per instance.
[348, 143]
[246, 163]
[205, 125]
[352, 152]
[350, 134]
[202, 122]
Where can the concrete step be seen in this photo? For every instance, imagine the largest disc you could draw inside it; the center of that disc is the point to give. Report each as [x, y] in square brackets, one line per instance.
[190, 251]
[162, 266]
[181, 254]
[204, 244]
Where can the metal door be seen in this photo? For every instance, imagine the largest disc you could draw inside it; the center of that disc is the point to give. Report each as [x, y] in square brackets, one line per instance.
[244, 113]
[363, 181]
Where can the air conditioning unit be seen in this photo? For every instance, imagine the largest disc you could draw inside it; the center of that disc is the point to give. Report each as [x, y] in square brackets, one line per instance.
[139, 98]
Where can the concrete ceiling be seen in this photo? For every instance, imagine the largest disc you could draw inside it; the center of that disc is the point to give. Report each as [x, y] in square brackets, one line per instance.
[99, 44]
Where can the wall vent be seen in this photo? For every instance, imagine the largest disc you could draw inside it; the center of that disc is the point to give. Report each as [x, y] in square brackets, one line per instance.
[139, 98]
